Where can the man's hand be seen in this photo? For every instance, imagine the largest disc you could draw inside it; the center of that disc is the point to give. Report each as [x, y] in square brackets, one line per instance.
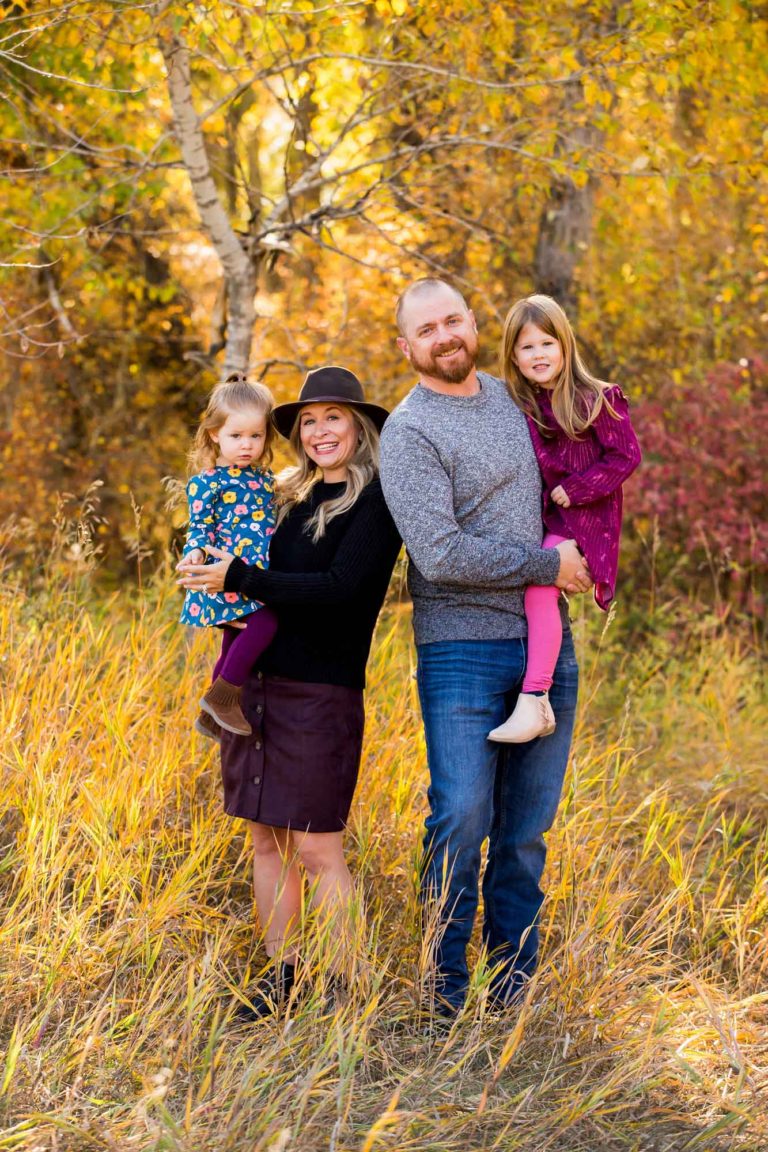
[574, 575]
[560, 496]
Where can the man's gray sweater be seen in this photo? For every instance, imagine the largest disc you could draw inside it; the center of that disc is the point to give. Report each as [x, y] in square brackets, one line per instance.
[461, 480]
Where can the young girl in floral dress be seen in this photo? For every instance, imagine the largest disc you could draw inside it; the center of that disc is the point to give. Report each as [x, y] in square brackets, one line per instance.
[231, 506]
[586, 449]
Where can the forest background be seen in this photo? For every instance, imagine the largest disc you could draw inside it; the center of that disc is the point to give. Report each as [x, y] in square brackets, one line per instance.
[190, 188]
[194, 188]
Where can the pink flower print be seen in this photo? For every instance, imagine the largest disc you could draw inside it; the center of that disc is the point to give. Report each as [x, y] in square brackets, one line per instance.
[241, 509]
[231, 597]
[253, 484]
[197, 505]
[194, 609]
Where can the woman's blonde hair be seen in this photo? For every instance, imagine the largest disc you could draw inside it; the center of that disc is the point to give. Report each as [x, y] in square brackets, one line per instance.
[295, 484]
[577, 395]
[236, 394]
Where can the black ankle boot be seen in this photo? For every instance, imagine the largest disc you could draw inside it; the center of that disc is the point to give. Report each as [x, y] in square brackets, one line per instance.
[270, 994]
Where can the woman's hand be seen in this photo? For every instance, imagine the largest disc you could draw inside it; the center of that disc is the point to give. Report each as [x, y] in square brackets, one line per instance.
[205, 577]
[560, 496]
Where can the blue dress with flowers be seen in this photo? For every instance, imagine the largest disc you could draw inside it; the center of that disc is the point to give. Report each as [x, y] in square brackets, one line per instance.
[230, 508]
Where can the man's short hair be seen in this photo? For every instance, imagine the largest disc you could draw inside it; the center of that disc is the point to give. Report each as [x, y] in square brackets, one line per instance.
[418, 288]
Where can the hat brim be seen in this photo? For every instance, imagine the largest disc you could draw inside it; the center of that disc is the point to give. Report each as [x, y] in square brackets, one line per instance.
[284, 415]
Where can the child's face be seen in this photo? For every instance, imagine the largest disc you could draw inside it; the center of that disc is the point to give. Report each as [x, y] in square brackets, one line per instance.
[538, 355]
[241, 438]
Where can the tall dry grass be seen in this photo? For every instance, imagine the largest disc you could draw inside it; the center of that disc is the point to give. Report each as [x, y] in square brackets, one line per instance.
[127, 920]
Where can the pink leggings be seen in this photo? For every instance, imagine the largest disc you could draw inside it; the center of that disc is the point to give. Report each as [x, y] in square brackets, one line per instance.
[545, 630]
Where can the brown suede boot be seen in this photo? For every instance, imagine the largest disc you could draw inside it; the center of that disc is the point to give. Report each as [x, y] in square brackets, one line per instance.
[222, 701]
[207, 726]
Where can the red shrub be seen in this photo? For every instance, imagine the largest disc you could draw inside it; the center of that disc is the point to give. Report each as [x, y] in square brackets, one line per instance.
[703, 471]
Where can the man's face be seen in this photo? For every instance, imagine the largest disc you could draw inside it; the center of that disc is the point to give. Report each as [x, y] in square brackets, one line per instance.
[440, 338]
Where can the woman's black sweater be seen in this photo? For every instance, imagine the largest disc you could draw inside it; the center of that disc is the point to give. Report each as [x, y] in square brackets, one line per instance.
[327, 596]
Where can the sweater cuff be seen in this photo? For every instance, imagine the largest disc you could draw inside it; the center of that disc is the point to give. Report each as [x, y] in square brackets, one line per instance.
[235, 575]
[548, 569]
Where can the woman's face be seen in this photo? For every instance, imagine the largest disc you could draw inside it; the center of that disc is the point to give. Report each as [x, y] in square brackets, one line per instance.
[329, 436]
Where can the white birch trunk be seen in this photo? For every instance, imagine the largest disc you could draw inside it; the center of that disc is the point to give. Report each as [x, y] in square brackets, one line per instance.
[239, 273]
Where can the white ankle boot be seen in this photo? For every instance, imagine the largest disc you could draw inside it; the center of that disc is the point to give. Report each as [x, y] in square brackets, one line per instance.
[532, 717]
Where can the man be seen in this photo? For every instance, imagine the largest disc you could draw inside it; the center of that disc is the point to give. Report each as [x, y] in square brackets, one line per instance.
[461, 480]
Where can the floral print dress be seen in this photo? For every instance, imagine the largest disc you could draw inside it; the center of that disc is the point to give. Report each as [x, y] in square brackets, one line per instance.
[230, 508]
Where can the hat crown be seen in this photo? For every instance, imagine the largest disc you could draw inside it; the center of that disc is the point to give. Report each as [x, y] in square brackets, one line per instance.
[331, 383]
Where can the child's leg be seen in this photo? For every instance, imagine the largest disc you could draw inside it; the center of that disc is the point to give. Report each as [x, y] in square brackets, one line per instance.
[240, 649]
[533, 715]
[228, 636]
[205, 724]
[246, 646]
[545, 630]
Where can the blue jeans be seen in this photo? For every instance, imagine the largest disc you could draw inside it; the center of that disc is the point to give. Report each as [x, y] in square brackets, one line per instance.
[478, 789]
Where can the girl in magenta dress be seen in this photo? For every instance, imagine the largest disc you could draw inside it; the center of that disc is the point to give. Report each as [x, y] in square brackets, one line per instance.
[586, 449]
[231, 506]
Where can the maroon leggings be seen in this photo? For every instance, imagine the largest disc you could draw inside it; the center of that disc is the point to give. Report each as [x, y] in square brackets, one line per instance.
[241, 647]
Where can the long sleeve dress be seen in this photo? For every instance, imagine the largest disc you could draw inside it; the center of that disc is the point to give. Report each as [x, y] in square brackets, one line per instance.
[592, 471]
[230, 508]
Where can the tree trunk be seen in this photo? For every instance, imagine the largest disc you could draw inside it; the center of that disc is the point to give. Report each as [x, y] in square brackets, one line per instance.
[238, 268]
[565, 223]
[563, 234]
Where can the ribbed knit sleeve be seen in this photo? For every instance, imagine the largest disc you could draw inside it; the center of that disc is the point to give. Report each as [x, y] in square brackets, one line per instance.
[365, 548]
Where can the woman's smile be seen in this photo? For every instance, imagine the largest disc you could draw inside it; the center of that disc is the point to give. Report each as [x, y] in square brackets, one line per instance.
[329, 438]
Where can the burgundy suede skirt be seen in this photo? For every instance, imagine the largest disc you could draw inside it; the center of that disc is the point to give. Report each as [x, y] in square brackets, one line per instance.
[299, 768]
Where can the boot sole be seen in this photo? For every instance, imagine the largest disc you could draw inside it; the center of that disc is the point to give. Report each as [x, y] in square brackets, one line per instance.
[203, 731]
[206, 707]
[498, 738]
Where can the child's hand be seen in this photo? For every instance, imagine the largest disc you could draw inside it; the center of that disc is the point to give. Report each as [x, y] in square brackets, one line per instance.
[561, 497]
[196, 556]
[208, 578]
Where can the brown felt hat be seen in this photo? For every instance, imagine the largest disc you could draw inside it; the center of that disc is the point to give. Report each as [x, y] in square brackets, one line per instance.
[327, 385]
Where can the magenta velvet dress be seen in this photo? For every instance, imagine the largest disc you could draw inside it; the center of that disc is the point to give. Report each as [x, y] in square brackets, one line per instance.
[592, 471]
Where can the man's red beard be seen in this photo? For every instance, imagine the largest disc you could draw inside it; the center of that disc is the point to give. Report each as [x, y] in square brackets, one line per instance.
[452, 372]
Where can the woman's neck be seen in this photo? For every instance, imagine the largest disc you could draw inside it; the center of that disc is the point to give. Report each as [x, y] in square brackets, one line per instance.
[335, 475]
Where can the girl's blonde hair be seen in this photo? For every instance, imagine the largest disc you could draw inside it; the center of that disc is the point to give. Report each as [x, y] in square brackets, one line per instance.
[577, 395]
[236, 394]
[295, 484]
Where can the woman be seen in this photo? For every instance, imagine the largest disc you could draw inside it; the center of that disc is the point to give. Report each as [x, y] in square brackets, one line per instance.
[331, 558]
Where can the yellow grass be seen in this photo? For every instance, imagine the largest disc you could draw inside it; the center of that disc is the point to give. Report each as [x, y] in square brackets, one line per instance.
[127, 919]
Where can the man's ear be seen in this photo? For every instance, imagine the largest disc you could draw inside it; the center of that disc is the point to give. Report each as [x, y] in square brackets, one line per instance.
[472, 318]
[402, 344]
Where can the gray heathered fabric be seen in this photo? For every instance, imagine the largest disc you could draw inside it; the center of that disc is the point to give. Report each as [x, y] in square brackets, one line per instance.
[463, 486]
